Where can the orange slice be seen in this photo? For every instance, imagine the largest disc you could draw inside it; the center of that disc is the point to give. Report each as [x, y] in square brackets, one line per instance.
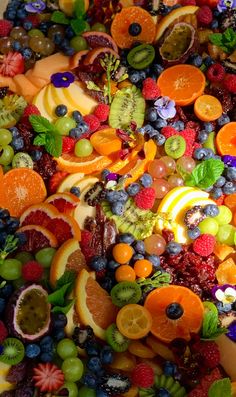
[38, 237]
[64, 227]
[67, 257]
[226, 139]
[123, 20]
[139, 349]
[190, 321]
[207, 108]
[134, 321]
[38, 214]
[98, 53]
[226, 272]
[106, 141]
[94, 304]
[64, 202]
[230, 201]
[20, 188]
[90, 164]
[182, 83]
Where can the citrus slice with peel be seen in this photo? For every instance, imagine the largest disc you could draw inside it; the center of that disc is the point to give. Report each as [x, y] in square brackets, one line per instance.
[94, 304]
[226, 139]
[134, 321]
[182, 83]
[38, 237]
[64, 227]
[90, 164]
[64, 202]
[67, 257]
[69, 181]
[207, 108]
[38, 214]
[106, 141]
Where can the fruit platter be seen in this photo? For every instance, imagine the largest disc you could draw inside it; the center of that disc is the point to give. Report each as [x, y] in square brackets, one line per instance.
[118, 198]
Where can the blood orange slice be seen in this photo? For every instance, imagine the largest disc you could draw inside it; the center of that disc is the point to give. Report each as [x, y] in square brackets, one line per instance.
[38, 214]
[99, 39]
[64, 202]
[38, 237]
[64, 227]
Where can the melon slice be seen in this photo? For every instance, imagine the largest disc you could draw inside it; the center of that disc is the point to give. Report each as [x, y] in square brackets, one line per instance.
[24, 86]
[45, 67]
[37, 81]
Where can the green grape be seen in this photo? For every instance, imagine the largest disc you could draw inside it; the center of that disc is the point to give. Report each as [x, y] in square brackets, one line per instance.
[226, 234]
[24, 257]
[73, 369]
[79, 43]
[66, 348]
[209, 225]
[49, 47]
[35, 33]
[37, 44]
[64, 125]
[45, 256]
[83, 148]
[85, 391]
[7, 154]
[224, 216]
[98, 27]
[86, 27]
[10, 269]
[72, 389]
[5, 137]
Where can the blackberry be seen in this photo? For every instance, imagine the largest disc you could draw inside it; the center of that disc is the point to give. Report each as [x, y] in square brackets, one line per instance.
[3, 92]
[95, 195]
[82, 335]
[194, 216]
[115, 384]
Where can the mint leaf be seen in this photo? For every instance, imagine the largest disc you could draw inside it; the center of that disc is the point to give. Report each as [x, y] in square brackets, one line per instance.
[229, 34]
[41, 124]
[220, 388]
[79, 9]
[58, 297]
[53, 144]
[64, 309]
[210, 325]
[226, 41]
[205, 174]
[40, 140]
[216, 38]
[59, 17]
[67, 277]
[78, 26]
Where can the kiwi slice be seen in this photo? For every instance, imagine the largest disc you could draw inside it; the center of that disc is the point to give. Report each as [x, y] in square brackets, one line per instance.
[210, 142]
[11, 110]
[116, 340]
[22, 160]
[141, 57]
[168, 383]
[126, 292]
[175, 146]
[128, 105]
[13, 351]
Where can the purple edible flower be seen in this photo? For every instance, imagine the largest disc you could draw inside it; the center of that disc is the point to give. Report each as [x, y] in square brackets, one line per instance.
[112, 176]
[229, 160]
[35, 7]
[224, 5]
[224, 293]
[165, 107]
[232, 331]
[62, 80]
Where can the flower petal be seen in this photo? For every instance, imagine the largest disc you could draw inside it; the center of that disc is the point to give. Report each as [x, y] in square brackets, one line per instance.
[220, 295]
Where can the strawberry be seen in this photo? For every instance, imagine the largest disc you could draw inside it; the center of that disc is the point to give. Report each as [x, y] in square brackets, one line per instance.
[55, 181]
[12, 64]
[48, 377]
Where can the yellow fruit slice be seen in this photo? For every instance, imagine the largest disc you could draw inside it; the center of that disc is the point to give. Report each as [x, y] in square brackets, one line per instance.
[160, 348]
[138, 349]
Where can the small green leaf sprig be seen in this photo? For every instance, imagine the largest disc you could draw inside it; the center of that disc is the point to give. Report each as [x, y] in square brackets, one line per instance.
[78, 23]
[205, 174]
[59, 297]
[226, 40]
[48, 136]
[10, 245]
[159, 279]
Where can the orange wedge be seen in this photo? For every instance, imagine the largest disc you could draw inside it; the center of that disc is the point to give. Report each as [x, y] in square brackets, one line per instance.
[90, 164]
[106, 141]
[207, 108]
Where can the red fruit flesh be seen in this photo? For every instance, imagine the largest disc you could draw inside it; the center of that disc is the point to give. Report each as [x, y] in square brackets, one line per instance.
[12, 64]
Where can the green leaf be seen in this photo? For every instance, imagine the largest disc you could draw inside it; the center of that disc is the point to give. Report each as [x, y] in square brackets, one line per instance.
[67, 277]
[220, 388]
[59, 17]
[79, 9]
[40, 140]
[53, 144]
[41, 124]
[64, 309]
[58, 297]
[216, 38]
[205, 174]
[210, 325]
[78, 25]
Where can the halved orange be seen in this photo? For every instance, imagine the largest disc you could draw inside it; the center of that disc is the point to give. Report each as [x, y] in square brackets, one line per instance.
[226, 139]
[94, 304]
[233, 389]
[190, 321]
[38, 214]
[64, 227]
[67, 257]
[20, 188]
[64, 202]
[38, 237]
[123, 20]
[106, 141]
[182, 83]
[230, 201]
[207, 108]
[90, 164]
[226, 272]
[134, 321]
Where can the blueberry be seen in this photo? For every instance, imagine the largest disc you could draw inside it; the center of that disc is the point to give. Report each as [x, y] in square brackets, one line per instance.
[22, 238]
[169, 368]
[106, 355]
[46, 344]
[4, 213]
[126, 238]
[216, 12]
[211, 210]
[36, 155]
[21, 14]
[90, 380]
[142, 75]
[196, 60]
[32, 350]
[160, 139]
[229, 188]
[134, 76]
[94, 364]
[202, 136]
[69, 32]
[77, 116]
[151, 115]
[6, 291]
[118, 208]
[231, 173]
[75, 190]
[216, 193]
[219, 306]
[14, 132]
[75, 133]
[139, 247]
[17, 143]
[105, 174]
[107, 283]
[46, 357]
[157, 69]
[200, 153]
[226, 307]
[214, 24]
[209, 154]
[83, 127]
[16, 46]
[65, 44]
[208, 61]
[98, 263]
[155, 259]
[101, 393]
[113, 265]
[27, 25]
[146, 180]
[222, 120]
[3, 236]
[208, 189]
[59, 334]
[178, 125]
[57, 38]
[137, 257]
[116, 195]
[2, 305]
[173, 248]
[162, 392]
[194, 233]
[135, 29]
[208, 127]
[220, 182]
[59, 320]
[153, 133]
[160, 123]
[92, 348]
[2, 224]
[12, 224]
[61, 110]
[133, 189]
[27, 53]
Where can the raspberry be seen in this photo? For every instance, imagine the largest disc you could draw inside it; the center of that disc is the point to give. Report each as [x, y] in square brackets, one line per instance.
[204, 244]
[215, 73]
[150, 89]
[102, 112]
[5, 27]
[32, 271]
[207, 380]
[210, 353]
[188, 134]
[198, 392]
[3, 332]
[168, 131]
[34, 19]
[188, 2]
[204, 16]
[31, 110]
[230, 83]
[145, 198]
[142, 375]
[55, 181]
[92, 121]
[68, 144]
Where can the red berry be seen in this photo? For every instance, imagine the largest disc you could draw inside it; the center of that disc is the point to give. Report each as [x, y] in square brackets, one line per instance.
[230, 83]
[31, 110]
[188, 2]
[102, 112]
[68, 144]
[55, 181]
[215, 73]
[168, 131]
[32, 271]
[5, 27]
[204, 244]
[92, 122]
[207, 380]
[145, 198]
[3, 331]
[204, 16]
[198, 392]
[142, 375]
[210, 353]
[12, 64]
[34, 19]
[150, 89]
[48, 377]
